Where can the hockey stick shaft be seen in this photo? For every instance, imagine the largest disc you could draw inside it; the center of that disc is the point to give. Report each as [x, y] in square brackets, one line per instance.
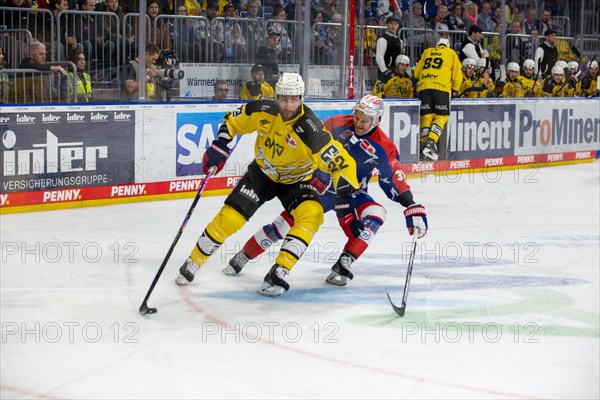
[144, 309]
[400, 310]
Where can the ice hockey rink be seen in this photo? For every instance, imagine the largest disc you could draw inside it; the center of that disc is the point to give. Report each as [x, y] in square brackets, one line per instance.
[503, 303]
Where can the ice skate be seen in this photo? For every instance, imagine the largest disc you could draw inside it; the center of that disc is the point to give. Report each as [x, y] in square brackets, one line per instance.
[431, 150]
[340, 272]
[236, 263]
[187, 272]
[274, 284]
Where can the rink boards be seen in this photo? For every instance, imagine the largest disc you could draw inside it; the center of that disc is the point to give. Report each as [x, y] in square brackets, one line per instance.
[73, 156]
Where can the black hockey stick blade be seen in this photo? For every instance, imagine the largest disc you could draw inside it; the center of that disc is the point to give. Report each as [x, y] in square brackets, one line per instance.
[399, 310]
[144, 309]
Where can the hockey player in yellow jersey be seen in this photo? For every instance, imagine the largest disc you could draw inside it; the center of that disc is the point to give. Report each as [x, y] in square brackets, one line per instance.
[513, 87]
[469, 87]
[588, 85]
[531, 86]
[400, 86]
[556, 85]
[257, 88]
[291, 143]
[439, 74]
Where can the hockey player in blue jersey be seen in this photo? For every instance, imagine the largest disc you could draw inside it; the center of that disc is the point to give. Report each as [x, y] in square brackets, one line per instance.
[360, 216]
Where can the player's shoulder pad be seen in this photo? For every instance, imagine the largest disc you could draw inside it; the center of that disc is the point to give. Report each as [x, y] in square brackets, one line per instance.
[267, 106]
[311, 131]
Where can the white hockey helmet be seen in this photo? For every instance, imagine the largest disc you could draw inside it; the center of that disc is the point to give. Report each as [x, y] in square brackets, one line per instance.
[594, 65]
[290, 84]
[481, 63]
[573, 65]
[513, 66]
[557, 70]
[561, 63]
[529, 63]
[469, 62]
[402, 59]
[443, 42]
[372, 107]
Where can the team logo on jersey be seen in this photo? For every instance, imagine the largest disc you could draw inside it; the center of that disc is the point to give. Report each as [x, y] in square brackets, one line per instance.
[290, 141]
[264, 122]
[346, 134]
[366, 146]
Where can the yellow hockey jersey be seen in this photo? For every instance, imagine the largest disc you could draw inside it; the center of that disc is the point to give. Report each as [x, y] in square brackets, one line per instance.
[399, 87]
[530, 85]
[264, 92]
[439, 68]
[290, 151]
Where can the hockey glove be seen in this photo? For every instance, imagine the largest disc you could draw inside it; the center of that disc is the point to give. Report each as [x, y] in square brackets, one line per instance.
[345, 208]
[321, 181]
[215, 156]
[416, 218]
[387, 75]
[254, 88]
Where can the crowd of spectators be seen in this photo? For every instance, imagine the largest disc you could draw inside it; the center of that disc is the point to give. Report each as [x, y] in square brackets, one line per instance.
[264, 31]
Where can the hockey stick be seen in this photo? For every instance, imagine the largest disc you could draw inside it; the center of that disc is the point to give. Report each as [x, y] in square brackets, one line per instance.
[144, 309]
[400, 310]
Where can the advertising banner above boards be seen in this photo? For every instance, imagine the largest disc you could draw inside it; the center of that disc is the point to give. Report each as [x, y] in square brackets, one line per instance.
[322, 81]
[70, 156]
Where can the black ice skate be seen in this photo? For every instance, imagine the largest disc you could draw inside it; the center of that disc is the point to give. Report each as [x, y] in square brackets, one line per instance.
[431, 150]
[236, 263]
[274, 284]
[187, 272]
[340, 272]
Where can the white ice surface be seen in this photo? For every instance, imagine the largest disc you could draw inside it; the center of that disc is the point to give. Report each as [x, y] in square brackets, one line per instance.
[503, 303]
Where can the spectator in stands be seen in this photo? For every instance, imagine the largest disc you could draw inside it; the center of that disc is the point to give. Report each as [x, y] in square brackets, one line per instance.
[486, 18]
[389, 47]
[228, 34]
[387, 8]
[186, 38]
[285, 46]
[588, 85]
[546, 22]
[160, 34]
[417, 36]
[257, 88]
[37, 60]
[323, 50]
[80, 81]
[470, 15]
[252, 27]
[455, 21]
[546, 54]
[130, 77]
[327, 8]
[530, 20]
[14, 19]
[93, 32]
[221, 89]
[510, 11]
[267, 57]
[515, 44]
[400, 86]
[471, 46]
[50, 22]
[125, 38]
[440, 21]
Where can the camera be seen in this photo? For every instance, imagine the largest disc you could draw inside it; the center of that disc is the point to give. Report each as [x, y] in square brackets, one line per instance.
[170, 73]
[166, 63]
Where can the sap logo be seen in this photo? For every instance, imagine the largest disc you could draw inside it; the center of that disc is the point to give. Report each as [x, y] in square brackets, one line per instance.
[127, 190]
[193, 148]
[555, 157]
[525, 159]
[61, 195]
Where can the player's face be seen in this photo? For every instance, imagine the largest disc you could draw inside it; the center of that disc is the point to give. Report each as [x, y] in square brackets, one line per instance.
[557, 78]
[288, 106]
[362, 123]
[528, 72]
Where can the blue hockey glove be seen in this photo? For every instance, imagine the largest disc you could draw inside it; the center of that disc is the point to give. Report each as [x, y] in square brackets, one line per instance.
[215, 156]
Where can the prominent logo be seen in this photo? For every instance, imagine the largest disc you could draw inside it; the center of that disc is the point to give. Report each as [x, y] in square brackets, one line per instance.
[25, 119]
[290, 141]
[50, 118]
